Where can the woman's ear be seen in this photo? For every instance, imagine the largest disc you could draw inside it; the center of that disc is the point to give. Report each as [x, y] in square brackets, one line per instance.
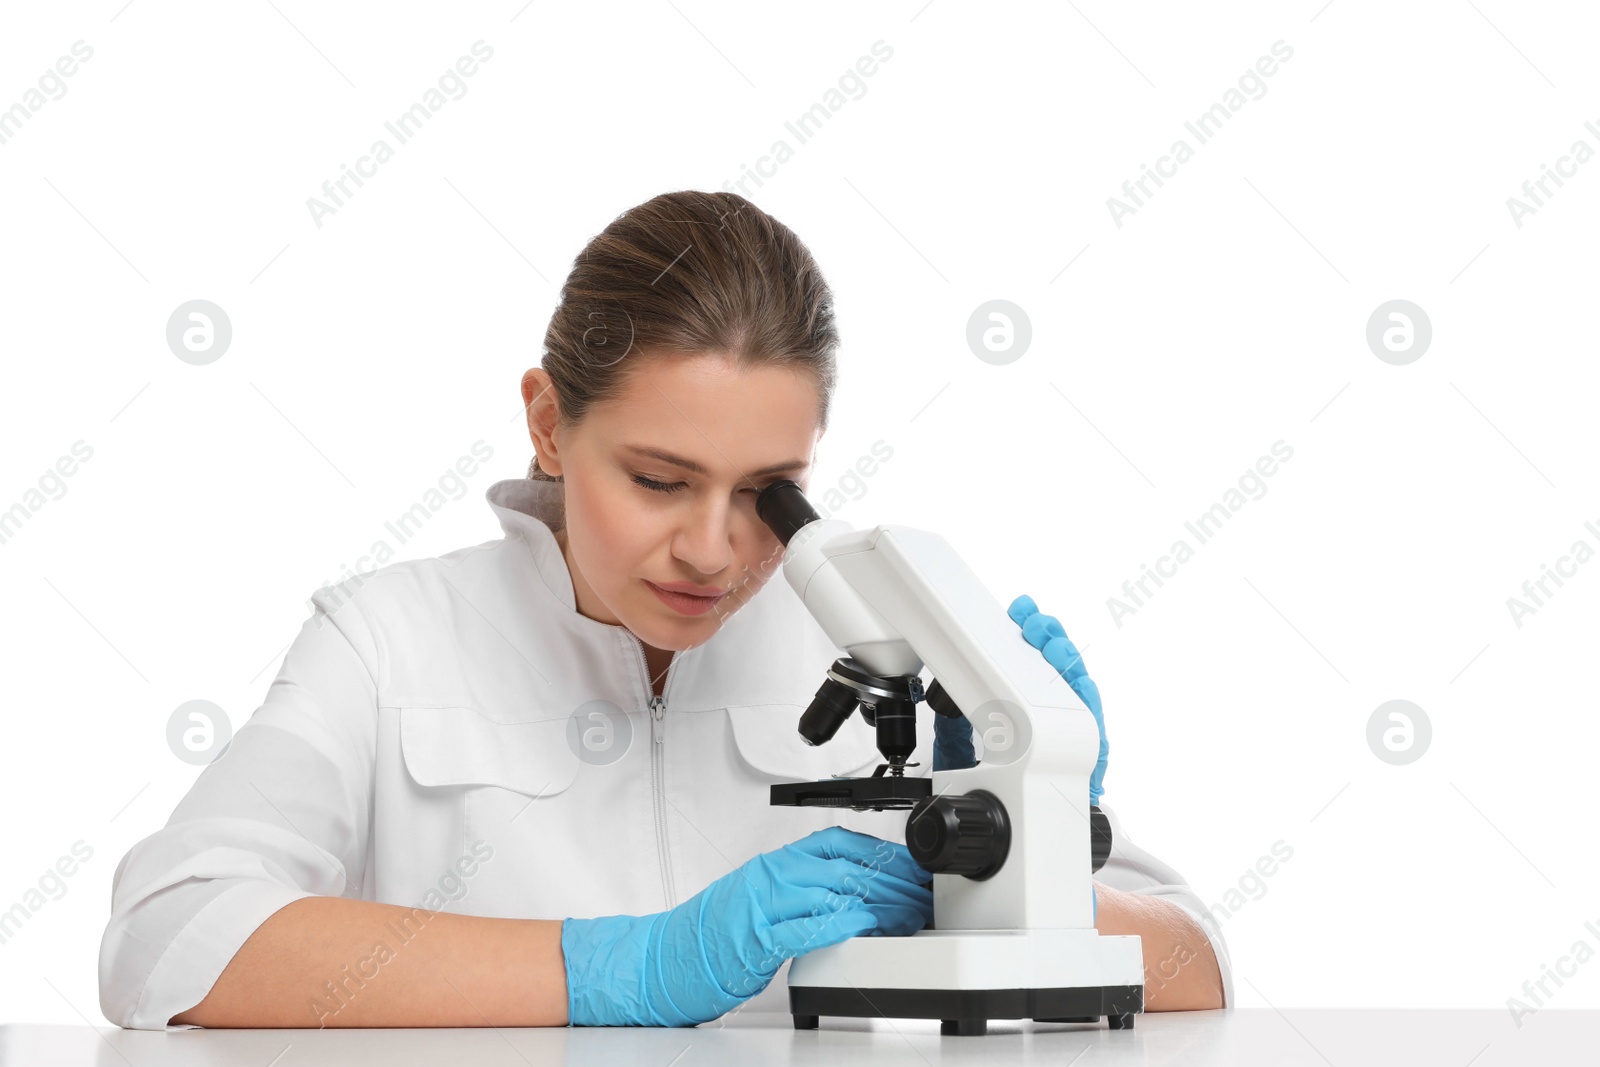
[543, 409]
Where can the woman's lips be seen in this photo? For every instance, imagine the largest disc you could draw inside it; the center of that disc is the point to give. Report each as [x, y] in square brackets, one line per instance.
[684, 603]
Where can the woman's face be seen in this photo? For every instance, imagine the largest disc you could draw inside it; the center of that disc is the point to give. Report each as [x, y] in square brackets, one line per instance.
[661, 485]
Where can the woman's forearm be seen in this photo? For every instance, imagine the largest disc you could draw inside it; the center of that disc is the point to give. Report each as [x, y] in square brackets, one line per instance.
[329, 961]
[1180, 969]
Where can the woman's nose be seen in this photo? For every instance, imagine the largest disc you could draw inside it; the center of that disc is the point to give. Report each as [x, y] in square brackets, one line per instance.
[704, 543]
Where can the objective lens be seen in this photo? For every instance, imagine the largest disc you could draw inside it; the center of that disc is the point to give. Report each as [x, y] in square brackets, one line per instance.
[832, 705]
[897, 730]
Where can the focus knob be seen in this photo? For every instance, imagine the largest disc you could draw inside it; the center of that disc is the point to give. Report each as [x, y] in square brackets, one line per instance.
[967, 834]
[1099, 838]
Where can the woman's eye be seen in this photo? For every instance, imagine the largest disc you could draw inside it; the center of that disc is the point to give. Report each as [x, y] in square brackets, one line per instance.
[660, 487]
[673, 487]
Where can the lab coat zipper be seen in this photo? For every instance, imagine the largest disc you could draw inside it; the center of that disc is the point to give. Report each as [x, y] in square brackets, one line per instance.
[658, 767]
[658, 782]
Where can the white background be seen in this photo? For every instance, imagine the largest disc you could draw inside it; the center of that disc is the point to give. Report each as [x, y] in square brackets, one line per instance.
[1227, 314]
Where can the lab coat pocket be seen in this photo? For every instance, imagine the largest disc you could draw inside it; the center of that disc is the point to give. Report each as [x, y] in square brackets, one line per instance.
[461, 747]
[768, 739]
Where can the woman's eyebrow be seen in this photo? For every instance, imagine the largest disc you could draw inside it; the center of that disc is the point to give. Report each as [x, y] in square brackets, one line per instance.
[695, 468]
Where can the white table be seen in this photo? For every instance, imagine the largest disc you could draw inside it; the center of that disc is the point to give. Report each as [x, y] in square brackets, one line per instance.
[1316, 1038]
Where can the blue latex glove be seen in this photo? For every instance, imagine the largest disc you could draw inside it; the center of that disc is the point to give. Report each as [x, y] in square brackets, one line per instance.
[1044, 632]
[952, 738]
[726, 943]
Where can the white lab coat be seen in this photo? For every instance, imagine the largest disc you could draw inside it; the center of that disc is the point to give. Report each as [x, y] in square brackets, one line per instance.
[418, 747]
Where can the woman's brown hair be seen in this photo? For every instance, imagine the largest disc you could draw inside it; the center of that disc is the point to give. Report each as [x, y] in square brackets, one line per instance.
[688, 272]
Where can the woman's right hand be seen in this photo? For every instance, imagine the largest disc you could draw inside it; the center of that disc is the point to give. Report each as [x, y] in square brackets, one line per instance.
[726, 943]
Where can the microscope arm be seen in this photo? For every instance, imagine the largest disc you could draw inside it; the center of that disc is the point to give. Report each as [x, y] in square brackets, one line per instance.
[896, 598]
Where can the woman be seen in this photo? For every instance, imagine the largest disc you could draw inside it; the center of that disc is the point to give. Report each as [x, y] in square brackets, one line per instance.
[543, 740]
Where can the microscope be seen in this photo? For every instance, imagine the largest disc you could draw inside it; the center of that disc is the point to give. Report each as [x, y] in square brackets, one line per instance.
[1012, 842]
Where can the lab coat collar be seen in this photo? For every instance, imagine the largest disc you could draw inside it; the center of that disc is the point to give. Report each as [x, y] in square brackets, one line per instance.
[533, 509]
[762, 665]
[769, 644]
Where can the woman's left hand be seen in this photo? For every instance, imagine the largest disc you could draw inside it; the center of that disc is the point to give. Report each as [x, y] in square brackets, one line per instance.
[952, 745]
[952, 738]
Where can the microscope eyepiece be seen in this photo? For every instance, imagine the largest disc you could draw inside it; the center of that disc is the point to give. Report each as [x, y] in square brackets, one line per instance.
[785, 509]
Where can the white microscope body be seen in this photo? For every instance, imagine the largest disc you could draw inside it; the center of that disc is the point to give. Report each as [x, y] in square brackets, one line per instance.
[1018, 940]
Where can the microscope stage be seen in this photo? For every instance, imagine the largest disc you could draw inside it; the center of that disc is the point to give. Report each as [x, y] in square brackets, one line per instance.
[876, 793]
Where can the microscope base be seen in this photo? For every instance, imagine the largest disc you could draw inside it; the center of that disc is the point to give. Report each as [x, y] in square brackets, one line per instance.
[966, 1012]
[967, 977]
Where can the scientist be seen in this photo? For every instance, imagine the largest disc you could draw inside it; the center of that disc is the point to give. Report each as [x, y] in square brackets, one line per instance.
[526, 783]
